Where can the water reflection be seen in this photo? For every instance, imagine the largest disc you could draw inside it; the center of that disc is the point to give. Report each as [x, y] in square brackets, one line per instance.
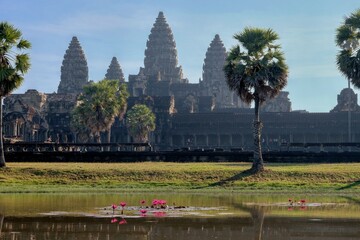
[244, 217]
[232, 228]
[1, 222]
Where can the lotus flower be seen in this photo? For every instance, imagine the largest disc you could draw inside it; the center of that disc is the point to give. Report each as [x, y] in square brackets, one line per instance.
[123, 221]
[142, 202]
[113, 206]
[143, 212]
[114, 220]
[123, 204]
[155, 202]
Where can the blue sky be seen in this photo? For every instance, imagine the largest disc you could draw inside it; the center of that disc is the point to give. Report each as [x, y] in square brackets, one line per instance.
[107, 28]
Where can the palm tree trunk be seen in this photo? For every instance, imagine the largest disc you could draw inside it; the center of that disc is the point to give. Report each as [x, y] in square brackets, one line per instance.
[108, 138]
[2, 157]
[258, 163]
[108, 135]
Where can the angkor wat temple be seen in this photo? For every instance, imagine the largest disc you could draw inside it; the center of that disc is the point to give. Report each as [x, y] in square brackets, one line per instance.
[204, 114]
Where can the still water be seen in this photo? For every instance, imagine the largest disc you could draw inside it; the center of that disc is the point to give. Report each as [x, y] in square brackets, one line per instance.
[187, 217]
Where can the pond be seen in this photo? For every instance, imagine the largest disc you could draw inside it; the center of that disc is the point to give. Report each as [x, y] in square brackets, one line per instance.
[183, 216]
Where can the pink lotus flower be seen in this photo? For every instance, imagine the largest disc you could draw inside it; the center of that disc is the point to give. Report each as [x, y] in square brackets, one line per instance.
[113, 206]
[123, 221]
[162, 202]
[142, 202]
[114, 220]
[123, 204]
[155, 202]
[143, 211]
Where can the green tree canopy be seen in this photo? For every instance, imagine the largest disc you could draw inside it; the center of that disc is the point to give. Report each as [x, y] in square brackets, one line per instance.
[256, 73]
[98, 106]
[348, 39]
[14, 63]
[140, 120]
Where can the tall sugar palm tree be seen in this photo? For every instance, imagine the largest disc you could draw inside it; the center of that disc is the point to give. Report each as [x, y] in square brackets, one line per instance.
[348, 58]
[99, 105]
[348, 39]
[256, 73]
[14, 63]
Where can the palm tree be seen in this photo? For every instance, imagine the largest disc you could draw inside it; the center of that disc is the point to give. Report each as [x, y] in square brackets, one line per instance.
[256, 74]
[348, 58]
[348, 39]
[13, 65]
[140, 120]
[99, 105]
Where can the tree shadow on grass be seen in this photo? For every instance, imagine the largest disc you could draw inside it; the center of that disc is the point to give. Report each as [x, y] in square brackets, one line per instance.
[352, 199]
[234, 178]
[354, 184]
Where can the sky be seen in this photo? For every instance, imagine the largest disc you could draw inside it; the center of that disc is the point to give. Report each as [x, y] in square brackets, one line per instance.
[120, 28]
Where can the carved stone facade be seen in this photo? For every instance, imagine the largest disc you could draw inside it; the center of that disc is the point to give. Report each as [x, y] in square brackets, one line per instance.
[114, 71]
[24, 116]
[280, 103]
[213, 81]
[346, 96]
[74, 69]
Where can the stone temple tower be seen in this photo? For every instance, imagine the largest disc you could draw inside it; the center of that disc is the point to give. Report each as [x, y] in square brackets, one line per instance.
[114, 71]
[161, 62]
[213, 80]
[74, 69]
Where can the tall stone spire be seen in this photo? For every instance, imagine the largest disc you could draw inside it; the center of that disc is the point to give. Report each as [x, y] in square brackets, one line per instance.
[161, 55]
[214, 62]
[114, 71]
[74, 69]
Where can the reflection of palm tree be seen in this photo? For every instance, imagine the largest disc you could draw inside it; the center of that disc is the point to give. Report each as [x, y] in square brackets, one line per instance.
[1, 222]
[257, 214]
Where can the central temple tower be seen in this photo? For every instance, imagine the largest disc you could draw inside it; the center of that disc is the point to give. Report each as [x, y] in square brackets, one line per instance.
[74, 69]
[161, 61]
[161, 68]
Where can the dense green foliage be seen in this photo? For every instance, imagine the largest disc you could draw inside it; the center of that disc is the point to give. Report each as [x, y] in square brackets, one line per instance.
[98, 106]
[14, 63]
[257, 73]
[140, 121]
[348, 39]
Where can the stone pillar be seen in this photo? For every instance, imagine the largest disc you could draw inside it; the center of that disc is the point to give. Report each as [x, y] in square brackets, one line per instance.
[14, 128]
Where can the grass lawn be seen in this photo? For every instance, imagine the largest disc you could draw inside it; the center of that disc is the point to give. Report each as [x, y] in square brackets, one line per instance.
[163, 176]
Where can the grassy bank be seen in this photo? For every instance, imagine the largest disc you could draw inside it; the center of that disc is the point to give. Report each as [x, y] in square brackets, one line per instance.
[161, 176]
